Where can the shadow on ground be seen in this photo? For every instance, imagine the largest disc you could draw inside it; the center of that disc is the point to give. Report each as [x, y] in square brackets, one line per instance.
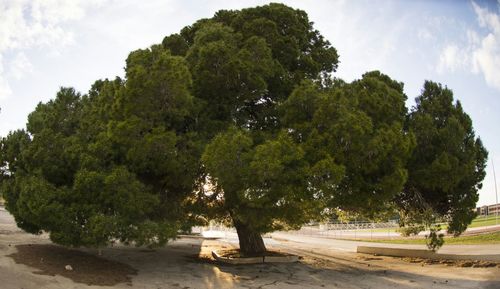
[81, 267]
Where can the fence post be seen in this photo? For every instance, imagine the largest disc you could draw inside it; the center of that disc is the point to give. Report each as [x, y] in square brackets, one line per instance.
[355, 229]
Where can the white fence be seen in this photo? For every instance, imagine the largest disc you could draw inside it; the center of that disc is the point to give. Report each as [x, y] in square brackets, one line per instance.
[336, 230]
[350, 230]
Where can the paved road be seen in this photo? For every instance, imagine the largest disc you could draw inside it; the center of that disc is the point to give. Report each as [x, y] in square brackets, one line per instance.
[277, 239]
[350, 246]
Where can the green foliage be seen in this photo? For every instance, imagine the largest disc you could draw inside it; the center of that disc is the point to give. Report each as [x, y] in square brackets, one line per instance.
[434, 240]
[412, 230]
[416, 220]
[245, 62]
[262, 184]
[230, 73]
[369, 148]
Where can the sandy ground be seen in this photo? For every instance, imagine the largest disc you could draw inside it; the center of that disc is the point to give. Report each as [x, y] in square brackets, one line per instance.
[185, 264]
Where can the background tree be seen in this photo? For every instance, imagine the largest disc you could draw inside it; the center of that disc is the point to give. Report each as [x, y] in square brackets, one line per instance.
[446, 167]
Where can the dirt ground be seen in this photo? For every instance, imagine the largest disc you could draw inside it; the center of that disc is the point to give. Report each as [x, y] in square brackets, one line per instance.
[28, 261]
[83, 267]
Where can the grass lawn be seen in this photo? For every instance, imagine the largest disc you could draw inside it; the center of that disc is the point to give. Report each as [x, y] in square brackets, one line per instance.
[490, 238]
[484, 221]
[480, 222]
[379, 230]
[477, 222]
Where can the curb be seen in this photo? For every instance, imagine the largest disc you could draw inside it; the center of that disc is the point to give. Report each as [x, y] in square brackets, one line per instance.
[254, 260]
[190, 237]
[426, 254]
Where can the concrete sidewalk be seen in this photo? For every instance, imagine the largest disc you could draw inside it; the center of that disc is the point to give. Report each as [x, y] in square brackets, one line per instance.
[484, 228]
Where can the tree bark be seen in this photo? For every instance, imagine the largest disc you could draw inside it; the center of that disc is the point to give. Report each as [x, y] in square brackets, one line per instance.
[251, 243]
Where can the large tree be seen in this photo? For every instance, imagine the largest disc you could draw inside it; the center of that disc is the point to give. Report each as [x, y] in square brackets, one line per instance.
[236, 118]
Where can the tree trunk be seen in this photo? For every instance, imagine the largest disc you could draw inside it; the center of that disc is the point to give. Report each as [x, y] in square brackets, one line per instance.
[251, 243]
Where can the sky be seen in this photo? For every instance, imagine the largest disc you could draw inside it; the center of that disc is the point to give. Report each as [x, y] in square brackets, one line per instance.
[46, 44]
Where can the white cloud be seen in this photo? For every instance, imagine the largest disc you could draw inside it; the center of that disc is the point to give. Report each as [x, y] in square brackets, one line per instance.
[27, 24]
[55, 11]
[473, 38]
[20, 65]
[487, 18]
[479, 52]
[4, 85]
[424, 34]
[19, 29]
[452, 58]
[486, 56]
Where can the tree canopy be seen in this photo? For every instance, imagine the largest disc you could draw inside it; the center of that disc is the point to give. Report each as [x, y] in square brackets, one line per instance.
[237, 118]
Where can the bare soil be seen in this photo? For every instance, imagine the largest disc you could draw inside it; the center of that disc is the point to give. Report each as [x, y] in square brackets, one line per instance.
[85, 268]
